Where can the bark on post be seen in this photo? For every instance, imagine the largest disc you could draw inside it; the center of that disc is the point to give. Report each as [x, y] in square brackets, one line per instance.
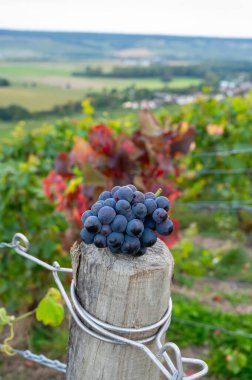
[123, 291]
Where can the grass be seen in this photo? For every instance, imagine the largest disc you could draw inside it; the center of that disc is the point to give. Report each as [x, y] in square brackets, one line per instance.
[19, 69]
[183, 82]
[38, 98]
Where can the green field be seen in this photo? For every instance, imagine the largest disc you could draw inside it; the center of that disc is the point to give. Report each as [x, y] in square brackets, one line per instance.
[40, 86]
[183, 82]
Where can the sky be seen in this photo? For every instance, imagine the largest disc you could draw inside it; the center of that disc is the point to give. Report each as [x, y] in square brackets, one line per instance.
[221, 18]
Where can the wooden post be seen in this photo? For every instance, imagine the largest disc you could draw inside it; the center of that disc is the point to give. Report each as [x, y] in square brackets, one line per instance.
[125, 291]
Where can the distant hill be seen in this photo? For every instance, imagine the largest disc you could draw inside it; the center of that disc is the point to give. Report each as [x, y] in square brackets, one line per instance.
[26, 45]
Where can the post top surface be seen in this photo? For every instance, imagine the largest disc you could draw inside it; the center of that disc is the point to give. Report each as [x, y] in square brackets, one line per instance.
[157, 256]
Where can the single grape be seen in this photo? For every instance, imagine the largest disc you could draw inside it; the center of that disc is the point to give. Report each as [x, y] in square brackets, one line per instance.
[141, 251]
[165, 228]
[115, 188]
[115, 249]
[105, 195]
[139, 210]
[132, 187]
[106, 214]
[131, 245]
[92, 224]
[86, 236]
[135, 228]
[163, 202]
[151, 205]
[138, 197]
[119, 224]
[150, 196]
[105, 230]
[148, 238]
[115, 196]
[110, 202]
[100, 241]
[129, 215]
[96, 207]
[123, 207]
[85, 215]
[125, 193]
[150, 223]
[159, 215]
[115, 240]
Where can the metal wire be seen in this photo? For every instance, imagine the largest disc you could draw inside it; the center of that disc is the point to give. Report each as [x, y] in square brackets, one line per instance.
[208, 326]
[223, 153]
[109, 333]
[217, 205]
[40, 359]
[225, 171]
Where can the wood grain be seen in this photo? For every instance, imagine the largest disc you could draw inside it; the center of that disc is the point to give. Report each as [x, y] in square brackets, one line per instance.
[123, 291]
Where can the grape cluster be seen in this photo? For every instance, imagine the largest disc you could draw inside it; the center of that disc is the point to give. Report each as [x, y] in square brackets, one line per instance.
[126, 220]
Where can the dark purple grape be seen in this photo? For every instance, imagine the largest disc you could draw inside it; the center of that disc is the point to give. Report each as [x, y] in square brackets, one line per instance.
[105, 195]
[119, 224]
[85, 215]
[100, 241]
[163, 202]
[106, 214]
[131, 245]
[123, 207]
[110, 202]
[132, 187]
[141, 251]
[105, 230]
[159, 215]
[115, 188]
[129, 215]
[139, 210]
[135, 228]
[96, 207]
[125, 193]
[151, 205]
[138, 197]
[115, 196]
[150, 223]
[92, 224]
[150, 196]
[165, 228]
[86, 236]
[115, 249]
[148, 238]
[115, 240]
[101, 202]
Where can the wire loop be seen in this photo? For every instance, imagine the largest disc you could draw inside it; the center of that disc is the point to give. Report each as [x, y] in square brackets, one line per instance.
[106, 332]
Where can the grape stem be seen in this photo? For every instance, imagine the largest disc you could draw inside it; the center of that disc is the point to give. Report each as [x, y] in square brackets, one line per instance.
[158, 192]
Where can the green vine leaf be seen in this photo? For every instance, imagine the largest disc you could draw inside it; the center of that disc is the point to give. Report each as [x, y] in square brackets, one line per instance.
[50, 310]
[4, 318]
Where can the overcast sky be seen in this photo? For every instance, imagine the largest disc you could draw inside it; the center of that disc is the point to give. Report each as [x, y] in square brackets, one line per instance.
[179, 17]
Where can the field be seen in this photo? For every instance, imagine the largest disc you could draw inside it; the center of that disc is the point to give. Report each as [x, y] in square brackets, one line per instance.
[41, 86]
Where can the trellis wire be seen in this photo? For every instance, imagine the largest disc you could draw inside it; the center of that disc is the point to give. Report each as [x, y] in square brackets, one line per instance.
[208, 326]
[40, 359]
[223, 153]
[240, 283]
[215, 205]
[106, 332]
[224, 171]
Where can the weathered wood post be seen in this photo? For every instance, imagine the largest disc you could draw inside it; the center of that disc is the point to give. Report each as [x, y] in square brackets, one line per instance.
[121, 290]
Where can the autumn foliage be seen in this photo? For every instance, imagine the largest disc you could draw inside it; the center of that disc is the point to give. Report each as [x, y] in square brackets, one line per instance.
[146, 159]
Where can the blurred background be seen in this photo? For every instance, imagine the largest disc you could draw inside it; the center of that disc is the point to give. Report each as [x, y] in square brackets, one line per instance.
[157, 94]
